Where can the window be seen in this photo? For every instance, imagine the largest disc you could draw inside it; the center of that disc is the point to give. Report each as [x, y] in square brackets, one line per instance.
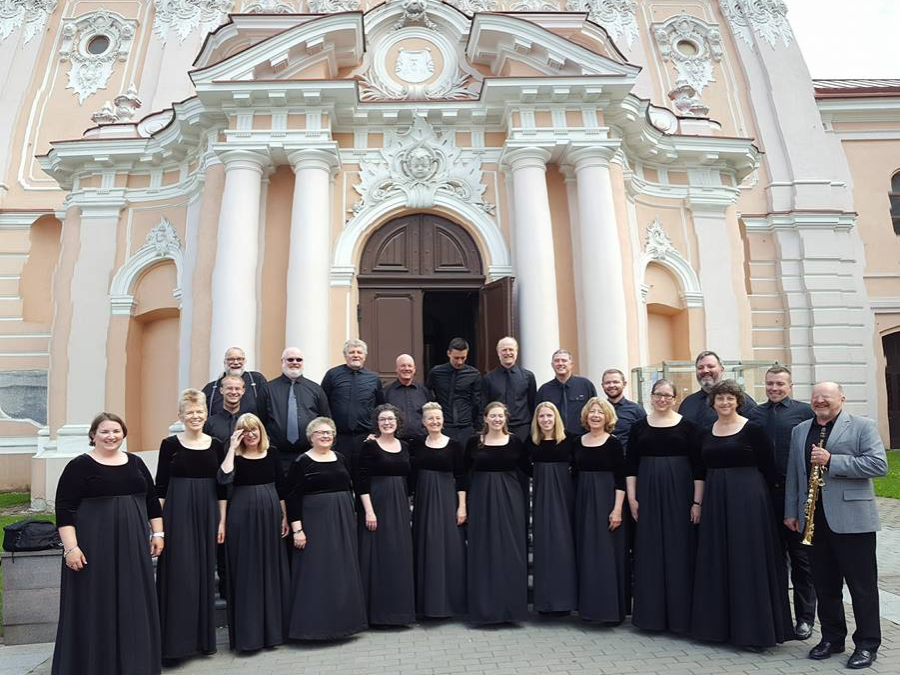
[895, 202]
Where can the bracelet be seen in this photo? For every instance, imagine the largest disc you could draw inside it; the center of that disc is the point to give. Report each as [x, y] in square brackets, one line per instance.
[298, 531]
[697, 504]
[67, 551]
[161, 535]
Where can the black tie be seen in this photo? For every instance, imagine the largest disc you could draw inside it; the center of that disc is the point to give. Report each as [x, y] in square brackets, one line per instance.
[293, 423]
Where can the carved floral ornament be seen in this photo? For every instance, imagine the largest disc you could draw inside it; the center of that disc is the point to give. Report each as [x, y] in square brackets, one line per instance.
[692, 46]
[92, 44]
[657, 245]
[419, 164]
[332, 6]
[618, 17]
[766, 18]
[32, 14]
[267, 7]
[185, 16]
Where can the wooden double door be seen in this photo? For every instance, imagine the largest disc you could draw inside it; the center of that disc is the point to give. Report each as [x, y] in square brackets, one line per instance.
[891, 345]
[421, 284]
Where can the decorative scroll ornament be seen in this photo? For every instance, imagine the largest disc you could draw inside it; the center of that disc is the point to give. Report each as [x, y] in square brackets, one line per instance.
[33, 14]
[693, 46]
[331, 6]
[658, 245]
[766, 18]
[375, 88]
[472, 6]
[126, 104]
[618, 17]
[268, 7]
[534, 6]
[92, 44]
[419, 165]
[163, 240]
[415, 13]
[183, 16]
[686, 101]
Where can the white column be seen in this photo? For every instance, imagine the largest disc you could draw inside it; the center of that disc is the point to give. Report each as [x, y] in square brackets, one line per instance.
[535, 262]
[308, 289]
[602, 314]
[234, 280]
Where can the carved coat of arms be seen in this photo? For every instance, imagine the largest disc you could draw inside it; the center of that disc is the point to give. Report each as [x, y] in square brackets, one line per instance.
[414, 65]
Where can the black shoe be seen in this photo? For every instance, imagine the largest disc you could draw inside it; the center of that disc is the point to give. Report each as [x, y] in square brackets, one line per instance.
[754, 649]
[861, 658]
[803, 630]
[825, 649]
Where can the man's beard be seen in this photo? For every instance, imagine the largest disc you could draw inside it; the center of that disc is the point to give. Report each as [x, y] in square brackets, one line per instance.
[235, 371]
[707, 383]
[291, 374]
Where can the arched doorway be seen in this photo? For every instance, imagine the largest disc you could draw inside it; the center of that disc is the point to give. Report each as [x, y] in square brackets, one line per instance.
[891, 345]
[422, 283]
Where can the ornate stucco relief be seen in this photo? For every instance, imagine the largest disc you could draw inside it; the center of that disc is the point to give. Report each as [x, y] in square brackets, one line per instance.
[184, 16]
[122, 109]
[414, 12]
[419, 164]
[331, 6]
[267, 7]
[472, 6]
[766, 18]
[618, 17]
[693, 46]
[659, 248]
[92, 44]
[32, 14]
[162, 243]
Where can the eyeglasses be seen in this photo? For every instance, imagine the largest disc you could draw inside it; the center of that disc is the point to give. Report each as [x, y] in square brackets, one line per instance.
[291, 359]
[238, 359]
[323, 432]
[664, 397]
[387, 419]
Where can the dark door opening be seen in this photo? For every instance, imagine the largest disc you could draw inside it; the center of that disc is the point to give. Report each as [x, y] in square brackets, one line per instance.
[446, 315]
[891, 345]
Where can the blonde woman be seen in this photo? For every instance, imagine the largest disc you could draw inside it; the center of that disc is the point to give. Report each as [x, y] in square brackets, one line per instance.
[497, 558]
[194, 513]
[550, 452]
[598, 467]
[438, 518]
[256, 523]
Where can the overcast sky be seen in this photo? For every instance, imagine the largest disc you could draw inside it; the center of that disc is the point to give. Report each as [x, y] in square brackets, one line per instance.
[842, 39]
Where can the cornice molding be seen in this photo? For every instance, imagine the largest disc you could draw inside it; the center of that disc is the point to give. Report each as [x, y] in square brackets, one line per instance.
[795, 220]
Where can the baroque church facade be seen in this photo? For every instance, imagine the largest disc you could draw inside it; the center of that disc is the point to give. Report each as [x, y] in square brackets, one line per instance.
[635, 181]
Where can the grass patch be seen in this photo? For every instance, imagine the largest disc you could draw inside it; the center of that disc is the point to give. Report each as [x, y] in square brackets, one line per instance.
[14, 499]
[889, 486]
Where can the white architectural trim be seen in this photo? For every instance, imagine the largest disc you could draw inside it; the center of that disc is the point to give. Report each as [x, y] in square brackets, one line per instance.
[888, 305]
[162, 244]
[658, 248]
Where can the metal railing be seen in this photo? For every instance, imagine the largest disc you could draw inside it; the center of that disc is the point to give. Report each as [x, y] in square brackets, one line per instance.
[749, 374]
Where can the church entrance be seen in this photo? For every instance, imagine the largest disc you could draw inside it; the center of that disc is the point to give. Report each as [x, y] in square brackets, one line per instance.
[891, 345]
[422, 283]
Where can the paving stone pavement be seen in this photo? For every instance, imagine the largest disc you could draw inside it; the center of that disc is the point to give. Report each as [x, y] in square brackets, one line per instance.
[559, 646]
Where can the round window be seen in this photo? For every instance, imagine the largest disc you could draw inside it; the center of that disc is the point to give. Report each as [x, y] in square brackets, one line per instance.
[98, 45]
[687, 48]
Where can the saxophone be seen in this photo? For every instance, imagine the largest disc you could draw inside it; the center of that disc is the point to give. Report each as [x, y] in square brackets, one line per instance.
[816, 482]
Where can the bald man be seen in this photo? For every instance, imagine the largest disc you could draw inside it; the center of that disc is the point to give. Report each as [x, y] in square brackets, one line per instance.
[408, 396]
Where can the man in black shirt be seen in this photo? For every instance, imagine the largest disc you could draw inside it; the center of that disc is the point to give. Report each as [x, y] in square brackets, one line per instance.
[513, 385]
[221, 424]
[255, 387]
[353, 392]
[408, 396]
[778, 416]
[696, 406]
[457, 387]
[566, 391]
[294, 402]
[627, 412]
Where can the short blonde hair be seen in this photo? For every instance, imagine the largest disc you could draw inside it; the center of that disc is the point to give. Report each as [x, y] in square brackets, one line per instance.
[559, 429]
[190, 397]
[311, 427]
[432, 405]
[605, 407]
[250, 422]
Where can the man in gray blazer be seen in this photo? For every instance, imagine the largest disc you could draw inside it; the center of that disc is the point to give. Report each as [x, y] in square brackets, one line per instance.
[846, 519]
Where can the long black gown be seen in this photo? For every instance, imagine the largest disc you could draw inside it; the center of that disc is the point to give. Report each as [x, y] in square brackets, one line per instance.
[185, 574]
[386, 555]
[326, 601]
[602, 554]
[257, 571]
[108, 615]
[439, 543]
[497, 558]
[552, 522]
[740, 595]
[665, 461]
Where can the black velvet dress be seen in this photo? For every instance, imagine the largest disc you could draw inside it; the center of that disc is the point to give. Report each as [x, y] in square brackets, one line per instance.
[185, 574]
[386, 555]
[439, 543]
[740, 594]
[326, 600]
[108, 615]
[552, 522]
[602, 553]
[257, 569]
[497, 559]
[666, 462]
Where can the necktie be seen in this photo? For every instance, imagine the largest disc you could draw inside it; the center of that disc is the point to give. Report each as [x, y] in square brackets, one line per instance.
[565, 402]
[293, 424]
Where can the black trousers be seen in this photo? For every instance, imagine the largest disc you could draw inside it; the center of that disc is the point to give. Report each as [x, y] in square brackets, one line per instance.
[845, 557]
[798, 555]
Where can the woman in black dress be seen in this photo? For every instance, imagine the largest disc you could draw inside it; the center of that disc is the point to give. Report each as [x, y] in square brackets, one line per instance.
[663, 479]
[598, 465]
[438, 519]
[385, 534]
[552, 519]
[104, 500]
[326, 588]
[194, 512]
[497, 559]
[740, 595]
[258, 581]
